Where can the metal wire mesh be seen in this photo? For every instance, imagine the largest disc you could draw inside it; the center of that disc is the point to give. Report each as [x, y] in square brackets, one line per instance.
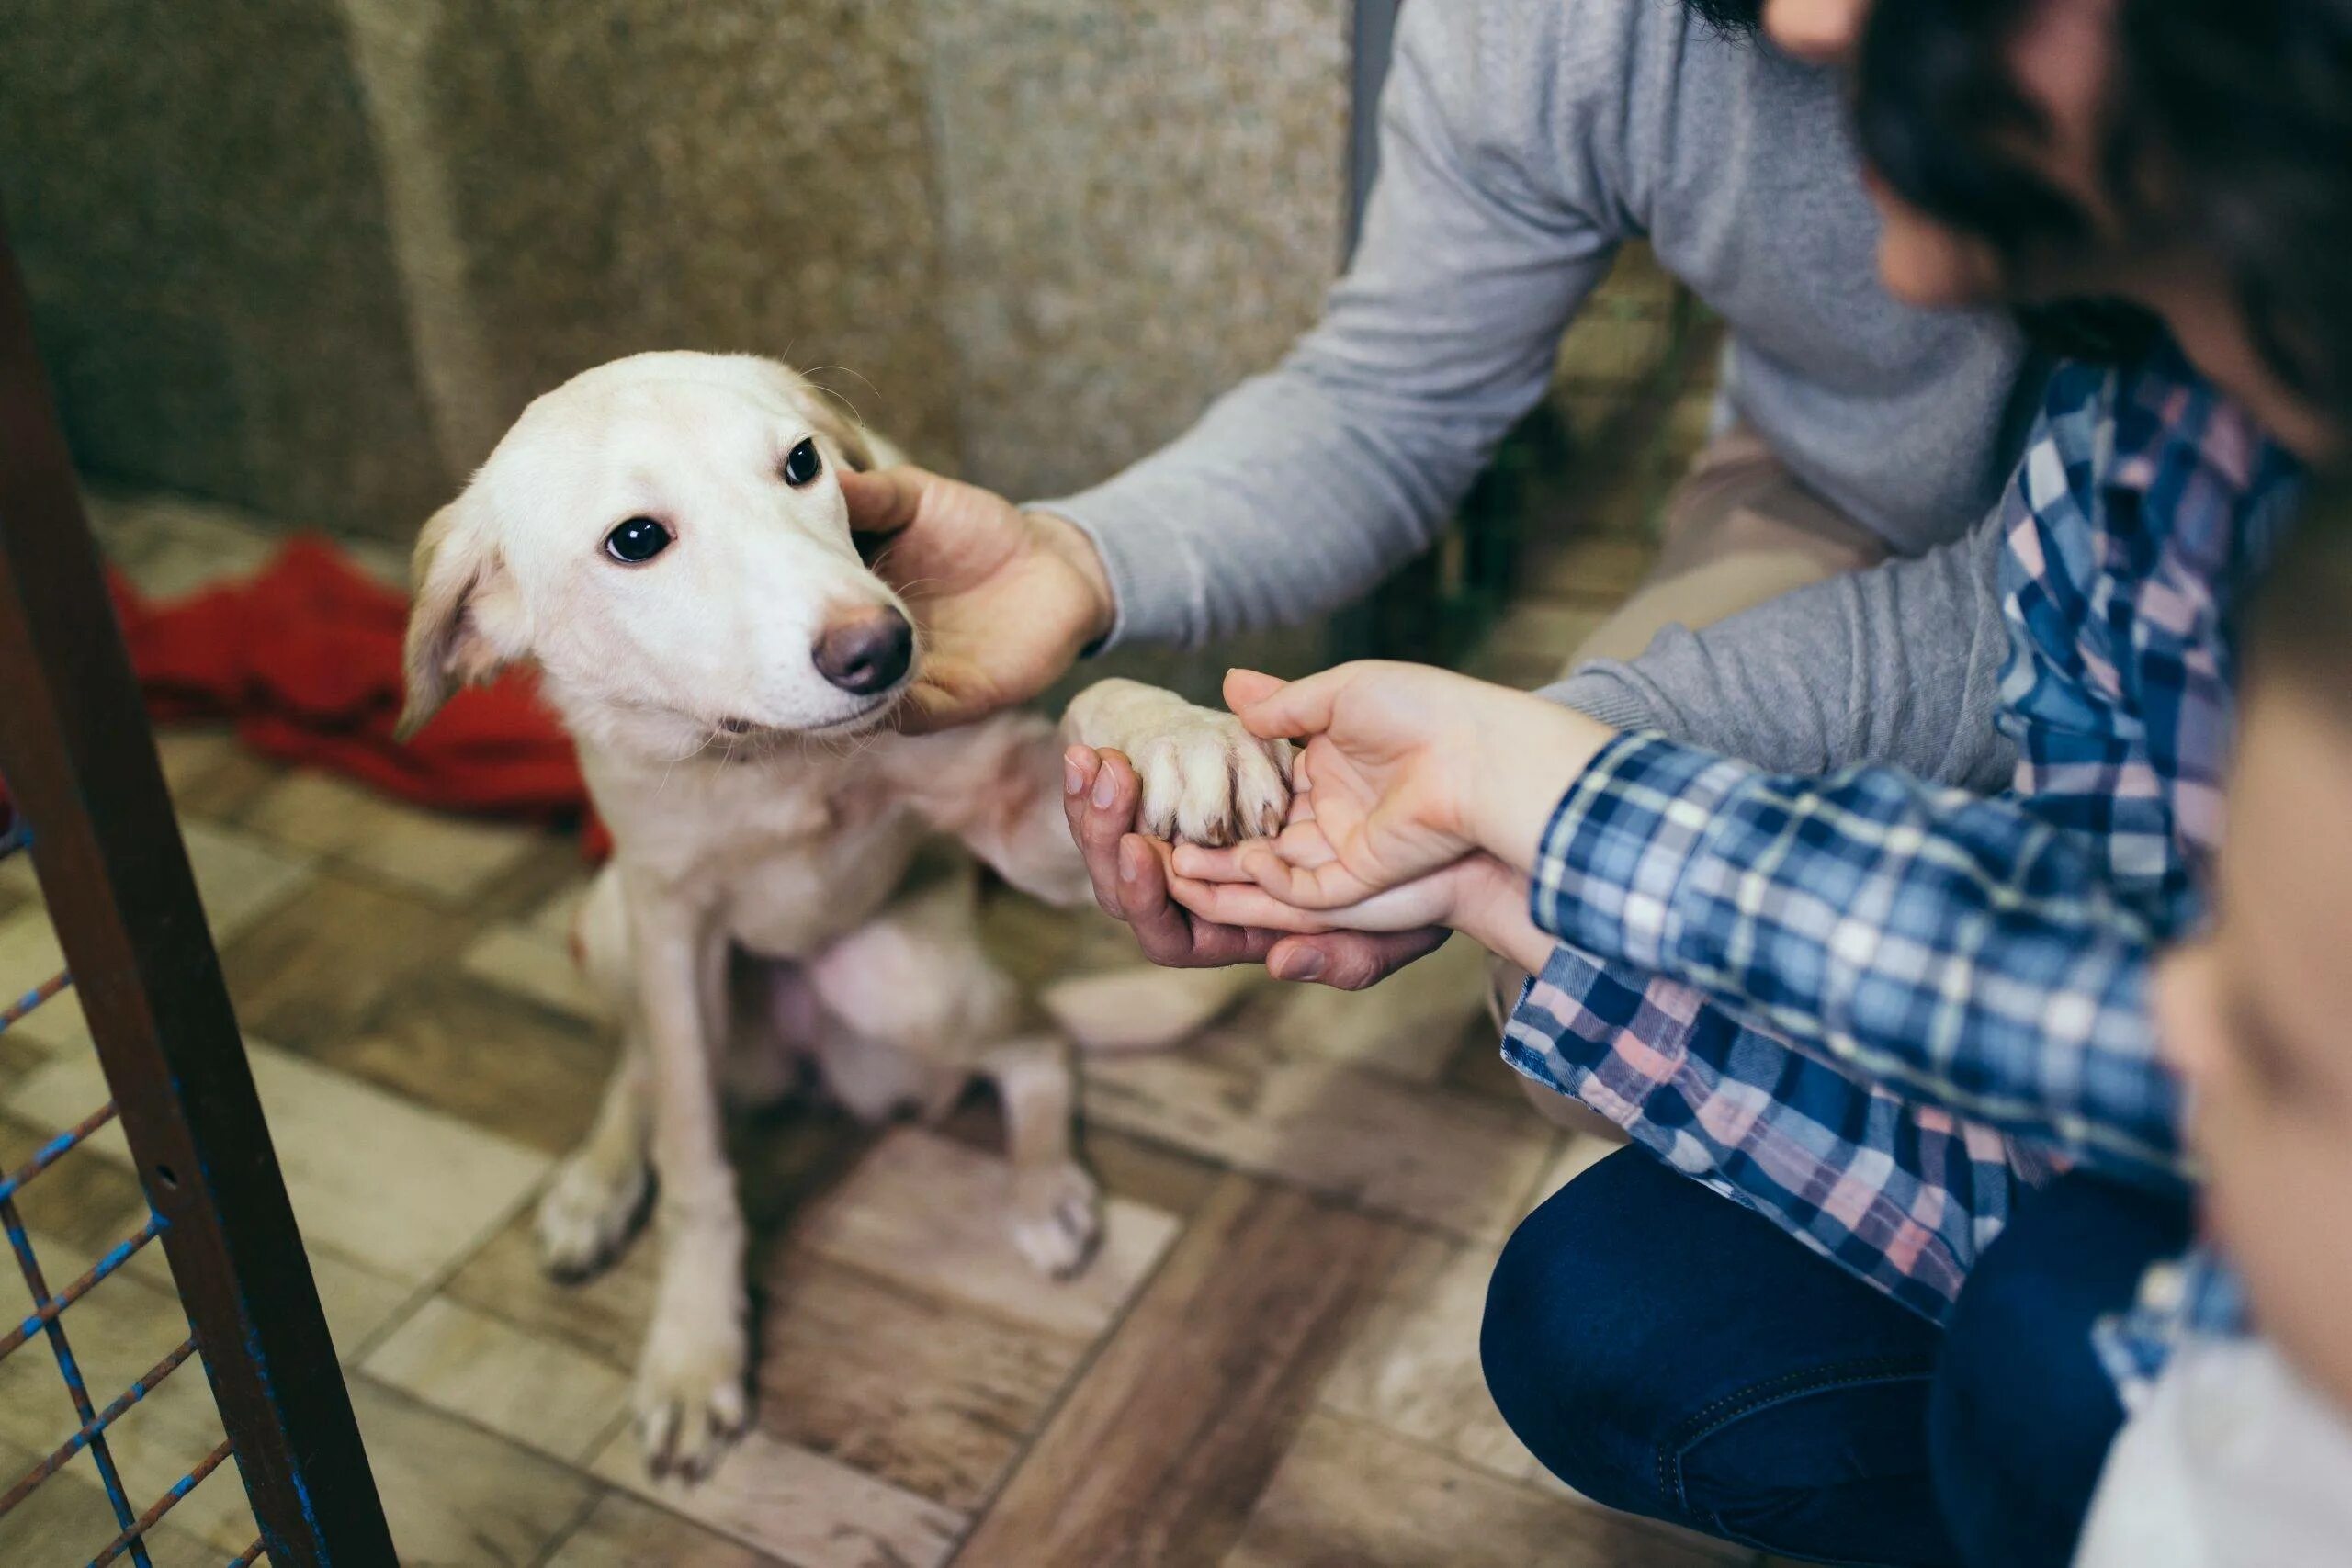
[46, 1321]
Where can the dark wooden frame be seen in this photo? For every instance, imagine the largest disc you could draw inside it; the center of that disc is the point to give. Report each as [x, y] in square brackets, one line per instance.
[80, 763]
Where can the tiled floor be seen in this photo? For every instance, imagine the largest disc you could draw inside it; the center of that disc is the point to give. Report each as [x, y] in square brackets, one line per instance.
[1272, 1362]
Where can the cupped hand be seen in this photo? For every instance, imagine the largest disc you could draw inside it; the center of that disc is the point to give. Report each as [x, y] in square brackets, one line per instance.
[1006, 599]
[1130, 876]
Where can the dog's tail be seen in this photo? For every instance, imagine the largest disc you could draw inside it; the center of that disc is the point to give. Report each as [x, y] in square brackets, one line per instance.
[1144, 1007]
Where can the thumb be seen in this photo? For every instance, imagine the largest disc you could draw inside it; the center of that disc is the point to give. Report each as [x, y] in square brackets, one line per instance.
[1289, 710]
[1244, 687]
[886, 500]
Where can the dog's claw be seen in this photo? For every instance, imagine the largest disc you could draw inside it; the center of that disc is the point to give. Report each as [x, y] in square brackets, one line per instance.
[1057, 1220]
[587, 1216]
[690, 1404]
[1208, 781]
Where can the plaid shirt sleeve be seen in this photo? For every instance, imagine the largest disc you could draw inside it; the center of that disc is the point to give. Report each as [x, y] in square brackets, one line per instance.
[1902, 1195]
[1952, 948]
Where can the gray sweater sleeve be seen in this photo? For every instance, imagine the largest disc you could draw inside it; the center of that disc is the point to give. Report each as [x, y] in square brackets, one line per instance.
[1299, 489]
[1898, 665]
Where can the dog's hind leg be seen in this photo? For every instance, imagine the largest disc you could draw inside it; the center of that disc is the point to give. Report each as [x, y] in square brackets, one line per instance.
[1056, 1210]
[916, 983]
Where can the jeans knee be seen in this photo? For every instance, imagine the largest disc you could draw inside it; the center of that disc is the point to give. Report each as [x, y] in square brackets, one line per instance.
[1565, 1381]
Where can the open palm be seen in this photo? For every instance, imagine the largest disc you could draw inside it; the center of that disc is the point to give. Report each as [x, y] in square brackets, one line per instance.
[1383, 775]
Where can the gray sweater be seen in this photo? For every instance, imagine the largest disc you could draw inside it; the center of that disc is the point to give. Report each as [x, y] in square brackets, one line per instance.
[1521, 141]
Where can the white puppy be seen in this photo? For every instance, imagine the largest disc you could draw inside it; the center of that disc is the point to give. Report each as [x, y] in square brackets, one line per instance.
[665, 538]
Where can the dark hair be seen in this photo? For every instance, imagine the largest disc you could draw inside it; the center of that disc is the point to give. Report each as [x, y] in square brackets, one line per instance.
[2228, 125]
[1729, 17]
[2244, 112]
[2299, 622]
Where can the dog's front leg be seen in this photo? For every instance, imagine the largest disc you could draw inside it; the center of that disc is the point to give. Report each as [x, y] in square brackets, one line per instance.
[690, 1396]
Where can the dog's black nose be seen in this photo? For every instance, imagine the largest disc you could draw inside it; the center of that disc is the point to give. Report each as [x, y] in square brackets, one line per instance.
[865, 651]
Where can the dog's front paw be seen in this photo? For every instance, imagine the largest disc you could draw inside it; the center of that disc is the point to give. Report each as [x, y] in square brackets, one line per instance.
[689, 1400]
[587, 1216]
[1057, 1218]
[1208, 781]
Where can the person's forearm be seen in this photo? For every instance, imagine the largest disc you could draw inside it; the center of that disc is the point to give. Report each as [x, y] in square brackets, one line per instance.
[1959, 948]
[1899, 665]
[1530, 759]
[1300, 490]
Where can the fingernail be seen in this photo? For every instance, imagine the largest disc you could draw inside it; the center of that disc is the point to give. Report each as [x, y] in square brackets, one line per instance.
[1106, 788]
[1073, 777]
[1307, 966]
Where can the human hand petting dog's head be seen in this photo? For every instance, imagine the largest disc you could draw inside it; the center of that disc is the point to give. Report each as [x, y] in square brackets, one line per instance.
[1007, 599]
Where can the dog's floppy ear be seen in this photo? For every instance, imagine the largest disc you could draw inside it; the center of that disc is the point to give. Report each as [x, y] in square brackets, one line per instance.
[456, 574]
[848, 436]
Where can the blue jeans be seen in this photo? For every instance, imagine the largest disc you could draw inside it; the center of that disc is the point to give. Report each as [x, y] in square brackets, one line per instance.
[1668, 1353]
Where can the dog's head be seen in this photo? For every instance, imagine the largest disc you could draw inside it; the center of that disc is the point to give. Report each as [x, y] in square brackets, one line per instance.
[666, 537]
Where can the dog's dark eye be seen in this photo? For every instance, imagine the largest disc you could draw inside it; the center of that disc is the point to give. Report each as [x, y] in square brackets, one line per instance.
[802, 464]
[637, 541]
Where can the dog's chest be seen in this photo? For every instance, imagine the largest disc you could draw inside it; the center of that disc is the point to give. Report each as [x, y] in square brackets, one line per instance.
[787, 859]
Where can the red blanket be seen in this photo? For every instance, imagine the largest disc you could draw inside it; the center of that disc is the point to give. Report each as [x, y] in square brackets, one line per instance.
[304, 660]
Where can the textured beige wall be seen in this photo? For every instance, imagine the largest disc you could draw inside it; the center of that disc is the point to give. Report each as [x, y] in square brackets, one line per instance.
[310, 256]
[192, 191]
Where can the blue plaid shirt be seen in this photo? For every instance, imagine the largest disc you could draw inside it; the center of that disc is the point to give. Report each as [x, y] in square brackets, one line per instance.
[1868, 1008]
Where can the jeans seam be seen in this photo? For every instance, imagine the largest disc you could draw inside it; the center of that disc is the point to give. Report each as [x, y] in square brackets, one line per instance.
[1704, 1424]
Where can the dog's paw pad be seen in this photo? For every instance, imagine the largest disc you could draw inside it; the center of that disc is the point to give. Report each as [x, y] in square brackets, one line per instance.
[1057, 1220]
[689, 1403]
[587, 1216]
[1208, 781]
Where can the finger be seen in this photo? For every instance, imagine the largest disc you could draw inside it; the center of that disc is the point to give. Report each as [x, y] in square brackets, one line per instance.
[886, 500]
[1301, 845]
[1097, 828]
[1349, 961]
[1327, 886]
[1199, 862]
[930, 706]
[1239, 904]
[1245, 687]
[1297, 707]
[1169, 935]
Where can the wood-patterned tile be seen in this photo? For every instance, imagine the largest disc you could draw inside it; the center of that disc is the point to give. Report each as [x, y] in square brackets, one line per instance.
[313, 969]
[782, 1160]
[399, 1190]
[1160, 1452]
[1409, 1026]
[934, 1398]
[118, 1332]
[1436, 1154]
[456, 1496]
[484, 1055]
[802, 1507]
[81, 1206]
[621, 1532]
[540, 1393]
[928, 1213]
[534, 964]
[68, 1519]
[1348, 1493]
[433, 852]
[1413, 1367]
[238, 877]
